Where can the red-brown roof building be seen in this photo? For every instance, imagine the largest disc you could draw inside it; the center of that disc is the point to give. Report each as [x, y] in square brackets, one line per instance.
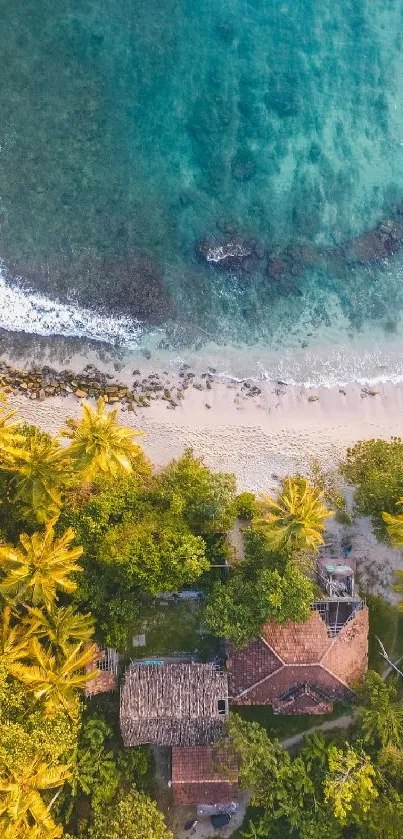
[303, 668]
[204, 775]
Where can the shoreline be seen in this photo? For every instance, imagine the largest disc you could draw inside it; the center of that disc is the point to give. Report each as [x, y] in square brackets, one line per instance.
[260, 431]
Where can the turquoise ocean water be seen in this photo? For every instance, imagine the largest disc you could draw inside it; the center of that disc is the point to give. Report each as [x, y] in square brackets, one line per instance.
[130, 130]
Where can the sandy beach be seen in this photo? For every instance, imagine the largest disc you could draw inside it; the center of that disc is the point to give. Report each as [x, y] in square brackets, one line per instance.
[259, 438]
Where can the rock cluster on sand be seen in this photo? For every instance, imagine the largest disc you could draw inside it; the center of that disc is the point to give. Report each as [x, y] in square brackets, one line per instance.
[43, 382]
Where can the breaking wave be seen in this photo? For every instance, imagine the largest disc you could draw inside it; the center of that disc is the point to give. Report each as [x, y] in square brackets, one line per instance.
[30, 312]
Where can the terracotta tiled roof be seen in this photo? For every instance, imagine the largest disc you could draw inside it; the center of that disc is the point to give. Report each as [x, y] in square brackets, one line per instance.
[347, 656]
[254, 662]
[305, 699]
[303, 658]
[204, 775]
[298, 643]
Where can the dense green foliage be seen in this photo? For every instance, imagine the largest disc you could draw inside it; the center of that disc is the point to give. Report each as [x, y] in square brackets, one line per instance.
[245, 505]
[55, 755]
[382, 716]
[90, 539]
[147, 534]
[102, 764]
[238, 609]
[375, 468]
[336, 790]
[265, 586]
[132, 816]
[204, 498]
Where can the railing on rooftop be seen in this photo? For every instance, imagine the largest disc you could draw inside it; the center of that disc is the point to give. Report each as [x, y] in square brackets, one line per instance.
[335, 625]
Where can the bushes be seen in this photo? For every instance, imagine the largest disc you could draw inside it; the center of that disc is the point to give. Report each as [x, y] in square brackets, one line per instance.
[375, 467]
[245, 506]
[238, 609]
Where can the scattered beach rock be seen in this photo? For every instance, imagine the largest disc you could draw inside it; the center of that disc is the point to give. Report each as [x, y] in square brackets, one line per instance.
[313, 398]
[370, 391]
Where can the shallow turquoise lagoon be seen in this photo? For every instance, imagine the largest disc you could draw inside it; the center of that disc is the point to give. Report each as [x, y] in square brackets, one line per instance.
[130, 130]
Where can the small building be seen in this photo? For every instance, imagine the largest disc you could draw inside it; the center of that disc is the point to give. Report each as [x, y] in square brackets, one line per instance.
[175, 704]
[336, 577]
[106, 661]
[303, 668]
[204, 776]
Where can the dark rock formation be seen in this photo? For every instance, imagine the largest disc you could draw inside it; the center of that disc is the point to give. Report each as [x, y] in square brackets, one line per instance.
[131, 284]
[374, 246]
[231, 254]
[287, 266]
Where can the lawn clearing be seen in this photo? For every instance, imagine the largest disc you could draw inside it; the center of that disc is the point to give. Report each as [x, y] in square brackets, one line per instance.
[173, 629]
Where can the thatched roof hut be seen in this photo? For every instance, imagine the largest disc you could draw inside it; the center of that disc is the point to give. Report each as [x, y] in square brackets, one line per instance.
[173, 704]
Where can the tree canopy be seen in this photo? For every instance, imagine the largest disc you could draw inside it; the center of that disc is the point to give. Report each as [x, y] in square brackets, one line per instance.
[238, 609]
[375, 468]
[99, 444]
[133, 816]
[295, 520]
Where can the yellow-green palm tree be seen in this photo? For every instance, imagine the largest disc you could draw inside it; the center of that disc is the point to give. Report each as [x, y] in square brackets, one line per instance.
[39, 567]
[23, 813]
[10, 434]
[56, 679]
[296, 520]
[394, 525]
[99, 444]
[13, 645]
[40, 469]
[59, 626]
[36, 832]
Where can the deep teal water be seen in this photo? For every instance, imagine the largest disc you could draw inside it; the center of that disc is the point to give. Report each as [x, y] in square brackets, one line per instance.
[130, 129]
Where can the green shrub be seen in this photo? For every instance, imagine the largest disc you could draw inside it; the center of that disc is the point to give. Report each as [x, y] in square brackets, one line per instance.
[245, 505]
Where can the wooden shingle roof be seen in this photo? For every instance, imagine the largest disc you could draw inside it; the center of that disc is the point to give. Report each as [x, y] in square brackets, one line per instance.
[173, 704]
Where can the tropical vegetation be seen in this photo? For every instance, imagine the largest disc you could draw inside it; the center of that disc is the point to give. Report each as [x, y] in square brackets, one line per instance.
[295, 520]
[92, 538]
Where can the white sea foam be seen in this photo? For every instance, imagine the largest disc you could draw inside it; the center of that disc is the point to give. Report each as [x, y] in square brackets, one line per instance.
[371, 359]
[27, 311]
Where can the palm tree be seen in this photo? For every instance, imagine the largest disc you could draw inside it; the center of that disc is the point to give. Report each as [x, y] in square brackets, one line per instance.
[39, 568]
[99, 444]
[10, 436]
[60, 626]
[55, 679]
[382, 715]
[394, 525]
[37, 832]
[296, 520]
[13, 646]
[23, 813]
[40, 468]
